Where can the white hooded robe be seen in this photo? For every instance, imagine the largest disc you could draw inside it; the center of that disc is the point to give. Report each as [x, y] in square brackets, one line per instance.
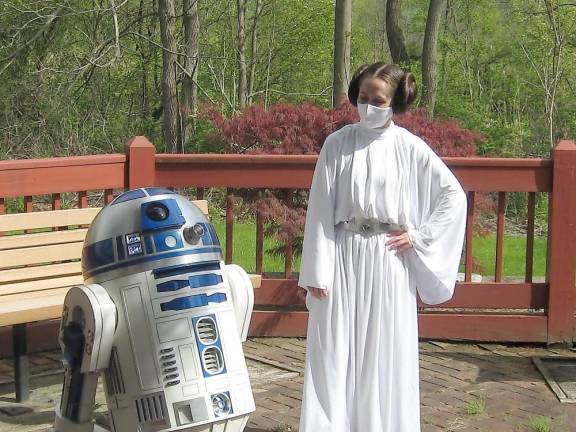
[361, 368]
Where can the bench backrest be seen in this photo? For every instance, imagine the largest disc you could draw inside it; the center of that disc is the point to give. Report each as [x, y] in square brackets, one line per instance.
[38, 268]
[29, 255]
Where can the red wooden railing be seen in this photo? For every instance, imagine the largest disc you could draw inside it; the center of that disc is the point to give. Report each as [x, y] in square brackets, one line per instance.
[498, 310]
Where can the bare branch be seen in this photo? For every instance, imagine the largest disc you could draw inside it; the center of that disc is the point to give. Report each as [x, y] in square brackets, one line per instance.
[220, 85]
[190, 76]
[10, 59]
[322, 93]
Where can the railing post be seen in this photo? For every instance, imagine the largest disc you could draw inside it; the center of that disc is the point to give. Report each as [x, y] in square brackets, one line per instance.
[141, 164]
[562, 245]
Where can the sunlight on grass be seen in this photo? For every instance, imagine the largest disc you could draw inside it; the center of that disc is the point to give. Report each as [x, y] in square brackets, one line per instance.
[476, 406]
[541, 424]
[484, 250]
[282, 427]
[514, 255]
[244, 250]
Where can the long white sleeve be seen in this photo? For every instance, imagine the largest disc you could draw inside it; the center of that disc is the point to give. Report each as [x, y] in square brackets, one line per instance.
[437, 225]
[318, 249]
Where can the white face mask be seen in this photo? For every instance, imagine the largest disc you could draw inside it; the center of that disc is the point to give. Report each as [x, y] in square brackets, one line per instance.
[374, 117]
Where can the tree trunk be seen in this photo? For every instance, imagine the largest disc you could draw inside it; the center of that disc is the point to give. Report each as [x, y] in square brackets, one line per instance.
[252, 76]
[429, 54]
[144, 56]
[342, 37]
[241, 47]
[191, 63]
[166, 13]
[559, 40]
[396, 41]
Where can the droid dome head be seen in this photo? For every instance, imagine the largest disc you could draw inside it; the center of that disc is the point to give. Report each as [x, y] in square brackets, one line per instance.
[145, 229]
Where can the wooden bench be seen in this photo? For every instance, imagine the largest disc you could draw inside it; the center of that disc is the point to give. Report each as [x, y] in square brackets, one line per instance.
[38, 268]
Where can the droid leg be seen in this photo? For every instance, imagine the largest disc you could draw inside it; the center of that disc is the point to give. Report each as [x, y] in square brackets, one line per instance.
[242, 293]
[86, 336]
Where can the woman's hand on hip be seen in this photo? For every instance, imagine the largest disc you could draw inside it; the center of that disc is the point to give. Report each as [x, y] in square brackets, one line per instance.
[400, 241]
[319, 293]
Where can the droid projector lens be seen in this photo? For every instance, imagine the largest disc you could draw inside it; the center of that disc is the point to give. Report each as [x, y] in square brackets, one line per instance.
[192, 234]
[221, 404]
[157, 212]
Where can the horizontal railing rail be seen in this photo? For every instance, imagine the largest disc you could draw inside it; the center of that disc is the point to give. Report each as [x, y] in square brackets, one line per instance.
[500, 309]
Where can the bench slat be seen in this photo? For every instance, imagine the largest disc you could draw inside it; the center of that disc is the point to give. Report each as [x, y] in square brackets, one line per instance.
[65, 269]
[202, 205]
[47, 219]
[8, 299]
[39, 255]
[256, 280]
[77, 279]
[43, 305]
[37, 293]
[42, 239]
[33, 287]
[58, 218]
[40, 272]
[16, 309]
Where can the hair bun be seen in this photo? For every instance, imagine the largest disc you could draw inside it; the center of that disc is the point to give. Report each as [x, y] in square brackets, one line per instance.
[354, 86]
[401, 80]
[405, 92]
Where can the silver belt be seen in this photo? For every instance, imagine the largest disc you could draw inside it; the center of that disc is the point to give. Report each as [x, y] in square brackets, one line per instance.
[369, 226]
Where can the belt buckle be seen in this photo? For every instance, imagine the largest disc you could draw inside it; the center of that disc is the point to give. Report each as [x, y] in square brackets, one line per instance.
[365, 227]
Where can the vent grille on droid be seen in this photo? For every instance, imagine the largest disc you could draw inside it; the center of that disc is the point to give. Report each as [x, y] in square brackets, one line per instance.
[207, 331]
[213, 361]
[169, 367]
[151, 409]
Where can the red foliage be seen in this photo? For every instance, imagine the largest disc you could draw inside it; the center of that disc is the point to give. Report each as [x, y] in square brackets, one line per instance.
[292, 129]
[446, 137]
[282, 129]
[287, 221]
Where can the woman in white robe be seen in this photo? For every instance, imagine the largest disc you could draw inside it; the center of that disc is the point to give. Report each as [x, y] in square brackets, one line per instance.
[361, 368]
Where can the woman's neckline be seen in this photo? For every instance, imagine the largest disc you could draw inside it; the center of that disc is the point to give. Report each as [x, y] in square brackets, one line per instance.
[375, 132]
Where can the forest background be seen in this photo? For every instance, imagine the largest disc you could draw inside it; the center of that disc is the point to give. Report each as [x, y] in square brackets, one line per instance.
[81, 77]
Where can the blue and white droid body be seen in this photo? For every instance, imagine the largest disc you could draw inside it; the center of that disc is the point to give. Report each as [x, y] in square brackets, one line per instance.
[161, 318]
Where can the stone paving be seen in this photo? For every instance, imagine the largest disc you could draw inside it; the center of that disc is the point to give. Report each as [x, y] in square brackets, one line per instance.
[464, 387]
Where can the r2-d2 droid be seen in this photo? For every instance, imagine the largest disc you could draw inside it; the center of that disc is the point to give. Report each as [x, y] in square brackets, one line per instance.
[161, 317]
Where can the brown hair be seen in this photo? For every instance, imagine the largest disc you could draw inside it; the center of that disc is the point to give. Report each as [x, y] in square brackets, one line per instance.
[403, 83]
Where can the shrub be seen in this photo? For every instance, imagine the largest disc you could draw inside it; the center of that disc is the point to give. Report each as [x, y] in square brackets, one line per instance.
[302, 129]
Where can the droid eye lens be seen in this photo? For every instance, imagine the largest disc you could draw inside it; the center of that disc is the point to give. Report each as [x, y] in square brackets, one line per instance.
[157, 212]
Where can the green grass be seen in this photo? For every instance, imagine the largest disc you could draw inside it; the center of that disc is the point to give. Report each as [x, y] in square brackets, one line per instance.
[282, 427]
[244, 247]
[514, 255]
[541, 424]
[484, 250]
[476, 406]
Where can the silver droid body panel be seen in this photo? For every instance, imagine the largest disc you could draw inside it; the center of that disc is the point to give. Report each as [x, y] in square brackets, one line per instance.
[174, 361]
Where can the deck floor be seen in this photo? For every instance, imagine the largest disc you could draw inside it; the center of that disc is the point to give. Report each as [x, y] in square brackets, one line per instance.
[454, 377]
